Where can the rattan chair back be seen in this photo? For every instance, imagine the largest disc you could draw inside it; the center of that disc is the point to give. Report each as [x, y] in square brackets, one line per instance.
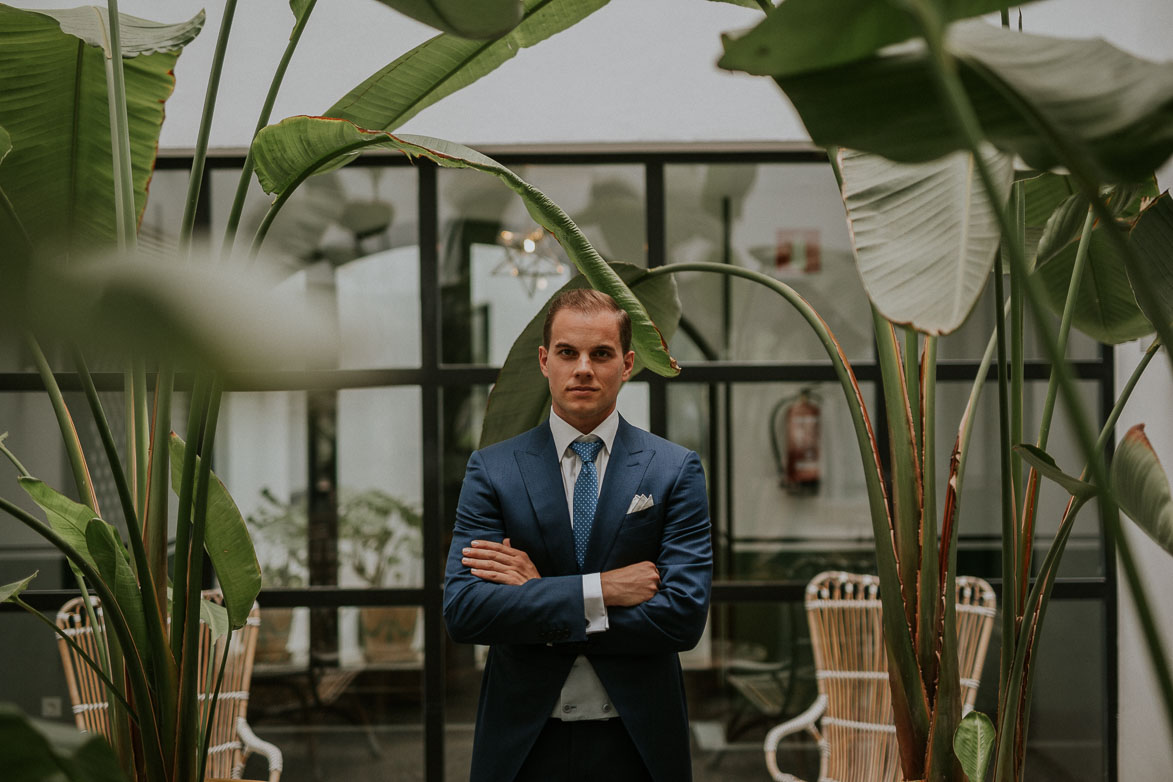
[227, 750]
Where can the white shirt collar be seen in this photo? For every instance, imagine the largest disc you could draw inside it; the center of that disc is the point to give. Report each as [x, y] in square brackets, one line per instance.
[565, 434]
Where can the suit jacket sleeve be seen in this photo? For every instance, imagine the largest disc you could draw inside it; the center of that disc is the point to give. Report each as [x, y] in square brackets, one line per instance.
[542, 610]
[674, 619]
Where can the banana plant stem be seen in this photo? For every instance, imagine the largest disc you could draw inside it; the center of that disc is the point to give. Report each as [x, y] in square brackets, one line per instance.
[125, 497]
[20, 468]
[266, 112]
[90, 661]
[199, 157]
[958, 102]
[73, 449]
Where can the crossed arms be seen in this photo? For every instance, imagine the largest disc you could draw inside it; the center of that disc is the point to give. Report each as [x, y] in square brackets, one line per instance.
[652, 606]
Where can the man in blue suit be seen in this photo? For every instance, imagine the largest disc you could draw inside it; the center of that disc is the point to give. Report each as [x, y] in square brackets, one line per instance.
[582, 556]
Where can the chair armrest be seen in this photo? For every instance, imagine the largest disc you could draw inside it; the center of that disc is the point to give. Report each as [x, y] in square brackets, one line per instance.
[253, 744]
[805, 721]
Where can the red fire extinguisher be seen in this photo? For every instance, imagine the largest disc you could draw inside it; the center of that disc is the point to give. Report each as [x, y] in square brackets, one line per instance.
[795, 440]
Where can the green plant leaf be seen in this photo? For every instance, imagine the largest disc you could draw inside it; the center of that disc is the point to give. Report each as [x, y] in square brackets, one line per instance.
[1114, 108]
[973, 743]
[808, 35]
[8, 591]
[1043, 193]
[520, 398]
[1151, 242]
[5, 144]
[297, 147]
[113, 562]
[1142, 488]
[1046, 466]
[59, 175]
[215, 616]
[446, 63]
[192, 315]
[68, 519]
[924, 234]
[226, 540]
[40, 751]
[298, 7]
[1106, 304]
[481, 19]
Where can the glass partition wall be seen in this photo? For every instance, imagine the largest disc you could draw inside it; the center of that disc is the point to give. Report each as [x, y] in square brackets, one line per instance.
[349, 474]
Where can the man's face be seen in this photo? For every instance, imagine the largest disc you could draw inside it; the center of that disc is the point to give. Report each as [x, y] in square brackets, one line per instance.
[585, 365]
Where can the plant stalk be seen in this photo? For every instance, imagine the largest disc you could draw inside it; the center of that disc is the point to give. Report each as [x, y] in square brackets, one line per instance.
[266, 112]
[958, 102]
[120, 133]
[199, 156]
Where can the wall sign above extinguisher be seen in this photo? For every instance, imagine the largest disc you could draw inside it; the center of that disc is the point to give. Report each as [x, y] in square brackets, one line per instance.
[794, 436]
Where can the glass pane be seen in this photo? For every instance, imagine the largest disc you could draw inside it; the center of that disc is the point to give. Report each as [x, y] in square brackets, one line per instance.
[979, 517]
[795, 480]
[498, 269]
[785, 221]
[362, 715]
[350, 240]
[969, 341]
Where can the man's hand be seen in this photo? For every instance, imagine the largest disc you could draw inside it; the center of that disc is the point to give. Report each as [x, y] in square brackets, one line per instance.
[499, 562]
[631, 585]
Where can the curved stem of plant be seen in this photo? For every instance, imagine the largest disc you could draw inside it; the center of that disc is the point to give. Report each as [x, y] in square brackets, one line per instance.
[73, 449]
[291, 188]
[114, 617]
[90, 661]
[266, 112]
[199, 157]
[958, 102]
[20, 468]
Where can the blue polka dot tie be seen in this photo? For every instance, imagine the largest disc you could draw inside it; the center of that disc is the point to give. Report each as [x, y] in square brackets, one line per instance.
[586, 496]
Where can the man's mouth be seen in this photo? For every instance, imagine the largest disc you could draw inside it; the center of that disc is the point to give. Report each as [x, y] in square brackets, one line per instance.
[582, 389]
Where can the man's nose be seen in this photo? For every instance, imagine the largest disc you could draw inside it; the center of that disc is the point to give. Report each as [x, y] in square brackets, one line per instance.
[583, 366]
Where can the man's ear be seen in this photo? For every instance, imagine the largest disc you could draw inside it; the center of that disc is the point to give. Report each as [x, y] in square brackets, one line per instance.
[628, 363]
[543, 354]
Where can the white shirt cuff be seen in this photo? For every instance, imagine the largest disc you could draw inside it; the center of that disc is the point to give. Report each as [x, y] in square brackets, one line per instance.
[592, 600]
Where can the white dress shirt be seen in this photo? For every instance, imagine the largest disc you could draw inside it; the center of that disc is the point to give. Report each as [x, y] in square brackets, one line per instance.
[583, 695]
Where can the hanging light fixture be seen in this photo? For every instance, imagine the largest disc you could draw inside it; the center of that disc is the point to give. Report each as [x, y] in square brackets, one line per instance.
[530, 257]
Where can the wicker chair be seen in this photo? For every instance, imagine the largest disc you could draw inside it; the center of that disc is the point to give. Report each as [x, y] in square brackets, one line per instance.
[852, 718]
[231, 741]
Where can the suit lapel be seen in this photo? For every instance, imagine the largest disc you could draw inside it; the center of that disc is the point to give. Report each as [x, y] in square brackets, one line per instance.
[625, 470]
[540, 471]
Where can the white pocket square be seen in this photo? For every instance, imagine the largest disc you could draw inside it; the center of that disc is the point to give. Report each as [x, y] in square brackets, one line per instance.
[640, 502]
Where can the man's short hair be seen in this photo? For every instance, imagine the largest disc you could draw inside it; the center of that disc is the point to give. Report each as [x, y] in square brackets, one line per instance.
[588, 301]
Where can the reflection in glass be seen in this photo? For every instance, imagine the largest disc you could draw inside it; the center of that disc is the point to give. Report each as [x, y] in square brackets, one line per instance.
[785, 221]
[498, 269]
[350, 240]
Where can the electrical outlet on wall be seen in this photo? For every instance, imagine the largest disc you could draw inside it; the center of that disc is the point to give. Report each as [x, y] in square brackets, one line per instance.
[51, 706]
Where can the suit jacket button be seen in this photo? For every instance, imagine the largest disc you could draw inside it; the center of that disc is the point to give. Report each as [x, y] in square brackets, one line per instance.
[606, 707]
[567, 709]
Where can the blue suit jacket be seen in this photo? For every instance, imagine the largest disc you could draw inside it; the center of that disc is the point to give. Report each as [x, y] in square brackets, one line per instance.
[514, 489]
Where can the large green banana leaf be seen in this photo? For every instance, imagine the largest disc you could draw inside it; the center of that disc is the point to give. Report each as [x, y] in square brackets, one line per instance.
[1151, 242]
[193, 315]
[227, 542]
[446, 63]
[479, 19]
[59, 175]
[36, 751]
[806, 35]
[521, 396]
[1028, 91]
[1106, 306]
[1142, 488]
[99, 545]
[924, 234]
[294, 149]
